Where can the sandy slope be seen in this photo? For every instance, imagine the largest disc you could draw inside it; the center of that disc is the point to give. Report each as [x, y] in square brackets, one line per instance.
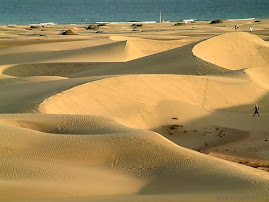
[236, 50]
[88, 156]
[111, 49]
[116, 117]
[165, 96]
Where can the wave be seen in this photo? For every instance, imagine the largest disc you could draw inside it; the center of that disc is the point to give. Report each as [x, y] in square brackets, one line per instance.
[241, 19]
[46, 23]
[126, 22]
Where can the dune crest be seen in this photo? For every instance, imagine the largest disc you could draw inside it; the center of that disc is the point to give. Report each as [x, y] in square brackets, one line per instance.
[111, 49]
[236, 50]
[191, 97]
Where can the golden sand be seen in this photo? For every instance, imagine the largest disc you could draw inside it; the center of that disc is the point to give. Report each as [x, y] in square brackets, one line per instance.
[162, 113]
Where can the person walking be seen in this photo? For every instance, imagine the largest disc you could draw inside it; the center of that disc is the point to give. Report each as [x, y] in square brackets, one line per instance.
[236, 28]
[256, 109]
[250, 29]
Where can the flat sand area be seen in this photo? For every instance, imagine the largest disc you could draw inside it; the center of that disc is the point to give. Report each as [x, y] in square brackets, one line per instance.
[129, 113]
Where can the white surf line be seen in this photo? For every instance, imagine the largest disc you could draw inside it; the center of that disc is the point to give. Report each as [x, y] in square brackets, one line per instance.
[241, 19]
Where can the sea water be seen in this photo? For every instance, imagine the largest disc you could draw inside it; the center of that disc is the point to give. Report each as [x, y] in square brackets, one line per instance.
[91, 11]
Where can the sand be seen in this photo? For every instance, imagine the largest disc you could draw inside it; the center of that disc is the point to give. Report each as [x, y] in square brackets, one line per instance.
[161, 113]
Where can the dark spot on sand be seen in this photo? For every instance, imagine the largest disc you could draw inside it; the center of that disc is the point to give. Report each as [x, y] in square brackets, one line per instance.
[173, 127]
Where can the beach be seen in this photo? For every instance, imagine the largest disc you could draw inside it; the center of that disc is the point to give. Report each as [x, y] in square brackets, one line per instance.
[135, 112]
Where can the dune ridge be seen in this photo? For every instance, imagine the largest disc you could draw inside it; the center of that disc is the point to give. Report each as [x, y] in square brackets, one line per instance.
[111, 49]
[234, 51]
[109, 98]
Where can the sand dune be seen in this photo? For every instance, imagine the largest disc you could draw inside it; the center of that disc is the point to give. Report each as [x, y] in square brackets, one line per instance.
[233, 51]
[103, 156]
[24, 95]
[106, 53]
[175, 61]
[119, 49]
[44, 69]
[188, 96]
[260, 75]
[120, 115]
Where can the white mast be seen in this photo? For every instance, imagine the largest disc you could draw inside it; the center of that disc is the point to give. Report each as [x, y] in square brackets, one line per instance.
[160, 16]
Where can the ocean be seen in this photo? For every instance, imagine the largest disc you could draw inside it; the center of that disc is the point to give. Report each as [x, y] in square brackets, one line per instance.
[91, 11]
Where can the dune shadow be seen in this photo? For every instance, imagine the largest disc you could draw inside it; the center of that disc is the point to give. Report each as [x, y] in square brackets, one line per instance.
[191, 182]
[103, 53]
[48, 69]
[25, 97]
[174, 61]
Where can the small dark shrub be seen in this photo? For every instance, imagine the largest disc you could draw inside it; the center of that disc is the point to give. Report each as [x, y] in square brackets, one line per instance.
[173, 127]
[137, 25]
[216, 21]
[92, 27]
[68, 32]
[255, 166]
[34, 27]
[101, 24]
[179, 24]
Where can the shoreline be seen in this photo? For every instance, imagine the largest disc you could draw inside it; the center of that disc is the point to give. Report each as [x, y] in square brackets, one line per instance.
[197, 30]
[130, 22]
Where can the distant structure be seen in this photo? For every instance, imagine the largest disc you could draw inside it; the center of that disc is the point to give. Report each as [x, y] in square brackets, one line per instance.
[160, 16]
[189, 20]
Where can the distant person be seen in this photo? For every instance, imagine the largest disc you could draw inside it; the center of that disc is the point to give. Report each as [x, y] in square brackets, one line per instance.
[256, 110]
[236, 28]
[250, 29]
